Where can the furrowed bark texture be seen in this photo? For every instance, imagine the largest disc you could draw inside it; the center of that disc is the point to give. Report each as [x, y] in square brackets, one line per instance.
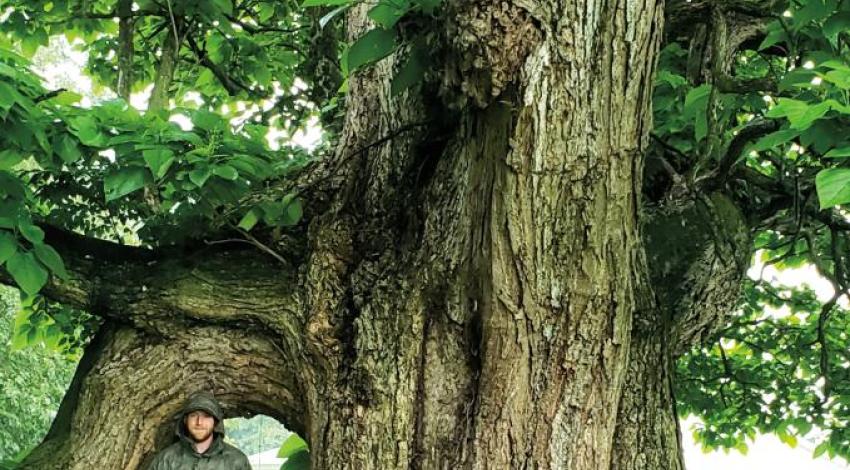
[695, 249]
[490, 319]
[169, 51]
[475, 294]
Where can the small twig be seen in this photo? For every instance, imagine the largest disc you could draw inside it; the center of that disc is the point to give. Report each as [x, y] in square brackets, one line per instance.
[253, 240]
[49, 95]
[227, 240]
[173, 23]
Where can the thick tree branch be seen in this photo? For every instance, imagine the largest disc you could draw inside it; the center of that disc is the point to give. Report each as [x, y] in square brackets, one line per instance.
[176, 31]
[696, 251]
[153, 289]
[730, 84]
[232, 86]
[753, 130]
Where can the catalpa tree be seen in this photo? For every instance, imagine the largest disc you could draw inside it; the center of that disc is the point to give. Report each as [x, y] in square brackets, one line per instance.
[523, 243]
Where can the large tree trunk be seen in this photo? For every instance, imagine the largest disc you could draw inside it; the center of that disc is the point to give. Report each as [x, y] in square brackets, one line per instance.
[484, 290]
[465, 296]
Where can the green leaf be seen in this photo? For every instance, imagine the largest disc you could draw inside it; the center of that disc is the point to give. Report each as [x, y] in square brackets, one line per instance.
[11, 186]
[86, 129]
[31, 43]
[298, 461]
[207, 120]
[8, 95]
[773, 37]
[205, 78]
[410, 73]
[387, 12]
[811, 114]
[841, 152]
[66, 148]
[820, 449]
[789, 439]
[159, 160]
[837, 23]
[695, 98]
[823, 135]
[797, 79]
[21, 327]
[50, 258]
[814, 10]
[696, 107]
[27, 272]
[199, 176]
[219, 49]
[291, 446]
[9, 158]
[123, 182]
[226, 171]
[429, 6]
[31, 232]
[52, 336]
[841, 78]
[370, 48]
[799, 113]
[250, 220]
[8, 246]
[323, 21]
[833, 186]
[224, 6]
[262, 74]
[774, 139]
[672, 79]
[266, 12]
[292, 211]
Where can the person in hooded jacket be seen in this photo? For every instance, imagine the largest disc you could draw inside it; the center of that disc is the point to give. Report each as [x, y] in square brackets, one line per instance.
[200, 440]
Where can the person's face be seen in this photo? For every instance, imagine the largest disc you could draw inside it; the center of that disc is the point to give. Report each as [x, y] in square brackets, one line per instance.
[200, 425]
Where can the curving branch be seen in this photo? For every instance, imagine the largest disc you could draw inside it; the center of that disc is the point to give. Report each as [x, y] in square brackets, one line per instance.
[232, 86]
[154, 289]
[755, 129]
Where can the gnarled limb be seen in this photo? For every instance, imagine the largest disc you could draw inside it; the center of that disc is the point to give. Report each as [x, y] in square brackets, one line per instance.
[153, 290]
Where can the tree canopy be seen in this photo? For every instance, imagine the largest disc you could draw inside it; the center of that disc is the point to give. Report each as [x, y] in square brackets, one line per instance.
[763, 109]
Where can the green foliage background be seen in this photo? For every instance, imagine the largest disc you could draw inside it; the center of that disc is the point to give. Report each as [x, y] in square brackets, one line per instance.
[32, 383]
[255, 435]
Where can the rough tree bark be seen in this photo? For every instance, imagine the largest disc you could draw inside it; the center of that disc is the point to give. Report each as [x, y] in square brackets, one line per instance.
[474, 292]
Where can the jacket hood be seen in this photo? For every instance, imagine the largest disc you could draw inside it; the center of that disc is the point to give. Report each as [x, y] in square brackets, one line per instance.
[203, 401]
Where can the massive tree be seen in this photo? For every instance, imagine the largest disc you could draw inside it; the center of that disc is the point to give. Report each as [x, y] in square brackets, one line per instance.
[494, 262]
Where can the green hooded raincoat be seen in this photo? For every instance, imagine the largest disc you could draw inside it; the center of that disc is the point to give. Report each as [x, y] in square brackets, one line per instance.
[181, 455]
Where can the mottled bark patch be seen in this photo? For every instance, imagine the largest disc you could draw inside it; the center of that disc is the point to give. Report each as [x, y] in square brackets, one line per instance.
[489, 42]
